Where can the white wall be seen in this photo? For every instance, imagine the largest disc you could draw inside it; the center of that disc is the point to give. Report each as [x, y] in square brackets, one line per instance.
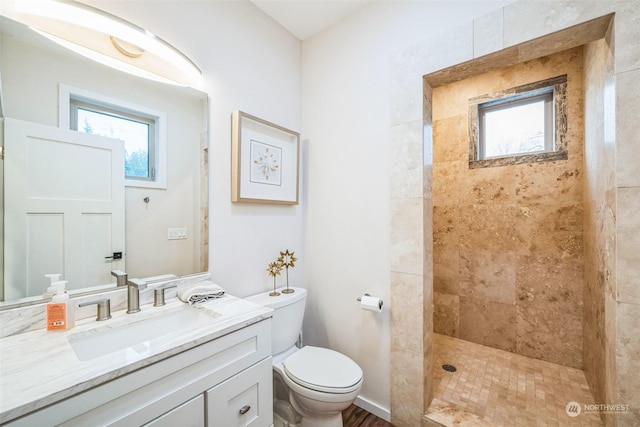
[251, 64]
[345, 119]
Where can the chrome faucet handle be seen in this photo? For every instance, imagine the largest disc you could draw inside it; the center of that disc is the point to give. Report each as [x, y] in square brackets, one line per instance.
[121, 277]
[158, 294]
[133, 294]
[137, 283]
[104, 308]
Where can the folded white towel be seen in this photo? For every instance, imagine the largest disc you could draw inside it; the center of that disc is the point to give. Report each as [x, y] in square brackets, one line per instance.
[195, 293]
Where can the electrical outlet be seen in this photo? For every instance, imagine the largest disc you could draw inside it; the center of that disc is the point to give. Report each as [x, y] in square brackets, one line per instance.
[176, 233]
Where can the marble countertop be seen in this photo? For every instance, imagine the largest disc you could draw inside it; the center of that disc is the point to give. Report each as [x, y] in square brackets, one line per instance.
[39, 368]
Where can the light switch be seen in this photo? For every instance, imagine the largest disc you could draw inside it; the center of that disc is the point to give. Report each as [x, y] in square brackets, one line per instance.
[177, 233]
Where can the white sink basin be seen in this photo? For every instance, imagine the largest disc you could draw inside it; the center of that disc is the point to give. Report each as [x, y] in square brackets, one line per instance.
[135, 337]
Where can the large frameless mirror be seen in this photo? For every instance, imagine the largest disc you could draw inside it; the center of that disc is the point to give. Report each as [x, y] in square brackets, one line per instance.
[52, 182]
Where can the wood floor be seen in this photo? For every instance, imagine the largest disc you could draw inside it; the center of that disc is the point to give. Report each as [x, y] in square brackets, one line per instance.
[355, 416]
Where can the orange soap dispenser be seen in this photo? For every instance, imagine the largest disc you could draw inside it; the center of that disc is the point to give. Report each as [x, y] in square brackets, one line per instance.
[60, 314]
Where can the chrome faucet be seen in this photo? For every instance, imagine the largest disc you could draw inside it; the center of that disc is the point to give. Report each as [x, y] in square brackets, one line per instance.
[121, 277]
[158, 293]
[133, 294]
[104, 308]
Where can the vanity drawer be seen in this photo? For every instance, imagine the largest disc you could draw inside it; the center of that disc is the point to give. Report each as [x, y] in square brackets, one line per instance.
[189, 414]
[243, 400]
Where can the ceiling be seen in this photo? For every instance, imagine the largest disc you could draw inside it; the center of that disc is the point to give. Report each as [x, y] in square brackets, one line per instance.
[304, 18]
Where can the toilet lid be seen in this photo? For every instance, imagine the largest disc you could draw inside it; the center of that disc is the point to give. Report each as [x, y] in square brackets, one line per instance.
[323, 370]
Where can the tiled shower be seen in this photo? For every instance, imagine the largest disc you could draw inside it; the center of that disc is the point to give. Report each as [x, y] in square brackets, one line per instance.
[508, 260]
[610, 214]
[508, 240]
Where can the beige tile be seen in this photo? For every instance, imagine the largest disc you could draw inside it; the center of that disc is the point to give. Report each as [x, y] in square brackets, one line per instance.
[627, 33]
[406, 149]
[455, 46]
[549, 182]
[488, 275]
[610, 374]
[407, 93]
[445, 315]
[406, 241]
[488, 227]
[451, 139]
[493, 185]
[427, 97]
[628, 362]
[552, 230]
[427, 259]
[627, 128]
[525, 21]
[501, 387]
[594, 345]
[406, 387]
[428, 370]
[446, 266]
[481, 66]
[551, 283]
[628, 331]
[405, 97]
[446, 228]
[549, 335]
[628, 245]
[453, 100]
[406, 311]
[488, 33]
[488, 323]
[448, 179]
[542, 67]
[595, 152]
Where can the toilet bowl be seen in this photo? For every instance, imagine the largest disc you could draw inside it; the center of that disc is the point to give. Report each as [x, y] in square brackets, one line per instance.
[320, 382]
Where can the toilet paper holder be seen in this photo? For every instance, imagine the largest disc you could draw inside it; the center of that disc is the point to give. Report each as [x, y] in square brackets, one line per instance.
[380, 303]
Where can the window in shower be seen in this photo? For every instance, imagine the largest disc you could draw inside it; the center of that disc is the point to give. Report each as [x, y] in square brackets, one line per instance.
[520, 125]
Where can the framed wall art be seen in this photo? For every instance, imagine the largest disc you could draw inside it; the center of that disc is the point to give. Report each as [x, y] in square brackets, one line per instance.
[264, 161]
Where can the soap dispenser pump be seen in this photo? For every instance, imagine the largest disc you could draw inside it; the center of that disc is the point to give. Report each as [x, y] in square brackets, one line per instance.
[52, 289]
[60, 313]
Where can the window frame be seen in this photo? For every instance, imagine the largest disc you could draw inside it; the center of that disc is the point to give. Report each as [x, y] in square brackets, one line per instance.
[545, 95]
[552, 91]
[70, 98]
[152, 142]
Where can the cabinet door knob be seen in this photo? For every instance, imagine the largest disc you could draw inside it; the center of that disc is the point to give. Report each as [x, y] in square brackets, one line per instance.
[244, 409]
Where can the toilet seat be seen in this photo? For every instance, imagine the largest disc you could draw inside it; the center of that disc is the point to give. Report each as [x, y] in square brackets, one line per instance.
[323, 370]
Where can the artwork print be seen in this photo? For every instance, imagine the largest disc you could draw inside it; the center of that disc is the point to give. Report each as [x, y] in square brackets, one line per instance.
[266, 163]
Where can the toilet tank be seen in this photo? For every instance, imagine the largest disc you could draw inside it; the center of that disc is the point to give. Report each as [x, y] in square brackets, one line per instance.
[288, 312]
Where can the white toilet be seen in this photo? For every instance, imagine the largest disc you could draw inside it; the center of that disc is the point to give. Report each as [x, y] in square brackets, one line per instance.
[317, 383]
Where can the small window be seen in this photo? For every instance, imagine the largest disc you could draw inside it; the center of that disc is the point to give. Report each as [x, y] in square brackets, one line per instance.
[523, 124]
[136, 130]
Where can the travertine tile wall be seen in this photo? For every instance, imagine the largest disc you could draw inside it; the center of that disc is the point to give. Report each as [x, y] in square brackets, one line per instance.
[508, 253]
[599, 219]
[518, 32]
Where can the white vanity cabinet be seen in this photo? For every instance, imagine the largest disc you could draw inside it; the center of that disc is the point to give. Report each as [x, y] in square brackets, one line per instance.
[225, 382]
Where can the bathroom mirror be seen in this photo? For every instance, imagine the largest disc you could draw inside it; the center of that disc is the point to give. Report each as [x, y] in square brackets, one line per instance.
[166, 226]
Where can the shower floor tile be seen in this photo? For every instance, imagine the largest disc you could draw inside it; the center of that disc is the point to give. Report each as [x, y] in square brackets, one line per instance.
[507, 389]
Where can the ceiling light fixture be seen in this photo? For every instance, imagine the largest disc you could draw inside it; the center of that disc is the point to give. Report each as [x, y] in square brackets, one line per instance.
[109, 40]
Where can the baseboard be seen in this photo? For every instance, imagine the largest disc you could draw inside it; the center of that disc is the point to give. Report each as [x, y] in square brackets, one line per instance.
[373, 408]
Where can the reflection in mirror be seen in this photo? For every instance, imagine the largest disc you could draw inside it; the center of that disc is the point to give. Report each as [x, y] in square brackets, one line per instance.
[165, 220]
